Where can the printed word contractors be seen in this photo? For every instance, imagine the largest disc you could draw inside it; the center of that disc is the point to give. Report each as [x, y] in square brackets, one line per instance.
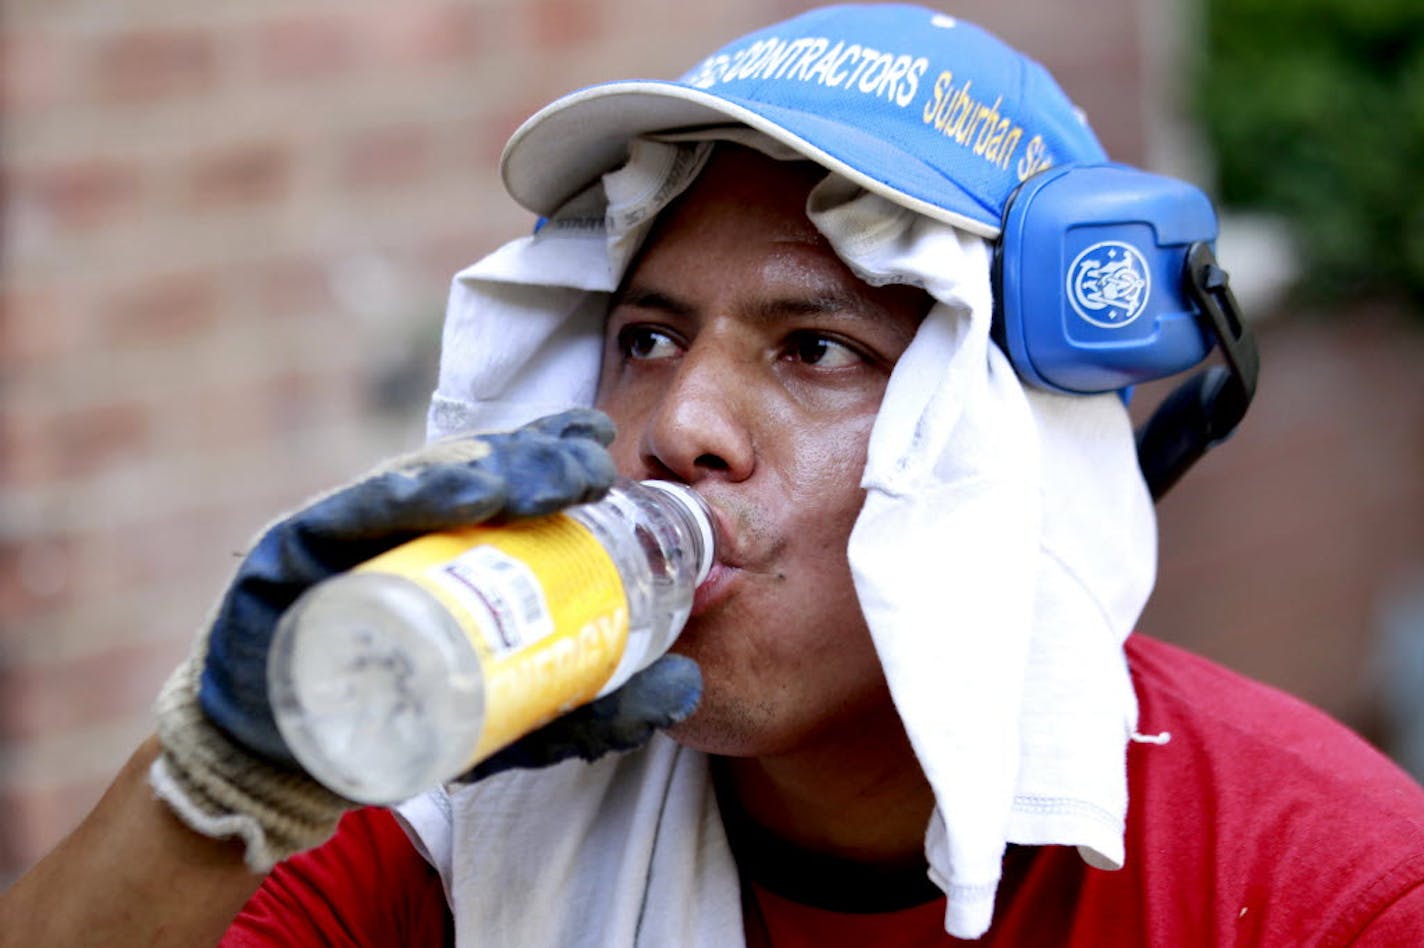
[951, 108]
[848, 66]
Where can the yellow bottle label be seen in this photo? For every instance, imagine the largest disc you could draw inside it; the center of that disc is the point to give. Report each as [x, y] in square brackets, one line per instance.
[543, 606]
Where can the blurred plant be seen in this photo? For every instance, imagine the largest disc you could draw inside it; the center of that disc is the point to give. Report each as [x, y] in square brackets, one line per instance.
[1315, 111]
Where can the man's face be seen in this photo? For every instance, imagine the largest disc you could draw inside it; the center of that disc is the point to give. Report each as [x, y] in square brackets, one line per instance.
[742, 357]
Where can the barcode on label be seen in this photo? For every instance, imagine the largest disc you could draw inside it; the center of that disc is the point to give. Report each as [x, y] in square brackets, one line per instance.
[509, 592]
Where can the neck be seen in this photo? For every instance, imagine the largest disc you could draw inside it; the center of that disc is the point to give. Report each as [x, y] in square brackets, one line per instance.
[856, 794]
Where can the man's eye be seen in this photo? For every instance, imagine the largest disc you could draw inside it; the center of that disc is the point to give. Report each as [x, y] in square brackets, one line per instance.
[812, 348]
[645, 342]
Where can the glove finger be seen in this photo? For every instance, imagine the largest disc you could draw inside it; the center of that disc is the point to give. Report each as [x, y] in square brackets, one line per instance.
[431, 498]
[523, 474]
[547, 474]
[576, 423]
[551, 463]
[661, 695]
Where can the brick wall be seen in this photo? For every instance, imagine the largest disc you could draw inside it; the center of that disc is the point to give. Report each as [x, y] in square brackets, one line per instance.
[228, 231]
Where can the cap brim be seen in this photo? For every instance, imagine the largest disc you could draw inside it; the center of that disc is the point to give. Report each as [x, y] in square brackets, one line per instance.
[570, 142]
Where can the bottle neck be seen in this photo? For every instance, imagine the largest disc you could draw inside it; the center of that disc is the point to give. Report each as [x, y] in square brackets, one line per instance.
[698, 518]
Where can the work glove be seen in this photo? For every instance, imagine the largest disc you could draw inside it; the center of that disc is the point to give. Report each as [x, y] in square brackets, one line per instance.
[225, 768]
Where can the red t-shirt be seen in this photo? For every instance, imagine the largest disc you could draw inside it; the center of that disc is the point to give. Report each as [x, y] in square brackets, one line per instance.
[367, 886]
[1260, 822]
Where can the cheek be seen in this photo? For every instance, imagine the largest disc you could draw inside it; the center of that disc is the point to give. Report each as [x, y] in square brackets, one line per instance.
[605, 395]
[630, 415]
[826, 464]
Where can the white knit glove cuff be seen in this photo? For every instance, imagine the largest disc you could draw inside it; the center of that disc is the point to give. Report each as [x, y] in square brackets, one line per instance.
[220, 790]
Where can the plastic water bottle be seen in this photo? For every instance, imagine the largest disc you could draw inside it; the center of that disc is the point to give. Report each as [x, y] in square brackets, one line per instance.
[403, 673]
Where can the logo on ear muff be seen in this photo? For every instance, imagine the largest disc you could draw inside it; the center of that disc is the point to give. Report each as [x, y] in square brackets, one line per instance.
[1109, 284]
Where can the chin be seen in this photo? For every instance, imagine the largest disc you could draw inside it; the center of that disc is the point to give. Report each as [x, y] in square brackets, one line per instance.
[723, 730]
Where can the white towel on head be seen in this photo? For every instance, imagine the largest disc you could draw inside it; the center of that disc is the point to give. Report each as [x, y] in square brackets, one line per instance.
[1005, 548]
[524, 325]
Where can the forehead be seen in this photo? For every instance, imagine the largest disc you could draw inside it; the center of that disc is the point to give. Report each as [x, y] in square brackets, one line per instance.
[740, 188]
[741, 230]
[738, 240]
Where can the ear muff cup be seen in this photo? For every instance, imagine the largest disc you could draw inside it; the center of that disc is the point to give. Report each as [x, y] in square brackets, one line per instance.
[1089, 288]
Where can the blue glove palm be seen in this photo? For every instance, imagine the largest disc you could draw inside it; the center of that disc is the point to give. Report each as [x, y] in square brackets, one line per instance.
[538, 469]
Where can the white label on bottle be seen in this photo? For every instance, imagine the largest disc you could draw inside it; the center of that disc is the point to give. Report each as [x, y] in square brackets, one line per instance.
[504, 588]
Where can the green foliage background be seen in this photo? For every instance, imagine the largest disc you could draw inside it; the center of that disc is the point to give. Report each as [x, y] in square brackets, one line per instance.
[1315, 110]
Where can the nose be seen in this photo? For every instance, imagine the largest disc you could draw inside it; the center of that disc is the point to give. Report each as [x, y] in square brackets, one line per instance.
[700, 426]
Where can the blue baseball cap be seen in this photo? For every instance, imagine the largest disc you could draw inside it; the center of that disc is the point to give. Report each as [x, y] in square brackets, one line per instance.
[932, 112]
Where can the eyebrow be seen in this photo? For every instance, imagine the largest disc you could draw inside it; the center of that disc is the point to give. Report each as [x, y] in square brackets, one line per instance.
[831, 303]
[645, 298]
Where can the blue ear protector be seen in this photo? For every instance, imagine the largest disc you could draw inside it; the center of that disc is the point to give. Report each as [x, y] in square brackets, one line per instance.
[1105, 278]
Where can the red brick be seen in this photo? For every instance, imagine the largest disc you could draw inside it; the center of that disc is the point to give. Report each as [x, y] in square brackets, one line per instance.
[297, 401]
[223, 417]
[563, 24]
[244, 174]
[36, 323]
[82, 692]
[443, 255]
[23, 455]
[31, 72]
[164, 307]
[77, 195]
[306, 46]
[484, 140]
[424, 35]
[68, 443]
[286, 286]
[386, 157]
[93, 437]
[36, 576]
[109, 560]
[154, 64]
[161, 308]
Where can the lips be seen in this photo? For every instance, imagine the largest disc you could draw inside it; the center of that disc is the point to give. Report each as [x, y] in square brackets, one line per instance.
[718, 584]
[714, 589]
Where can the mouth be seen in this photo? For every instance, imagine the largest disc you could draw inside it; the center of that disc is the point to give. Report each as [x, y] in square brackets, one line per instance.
[715, 588]
[720, 580]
